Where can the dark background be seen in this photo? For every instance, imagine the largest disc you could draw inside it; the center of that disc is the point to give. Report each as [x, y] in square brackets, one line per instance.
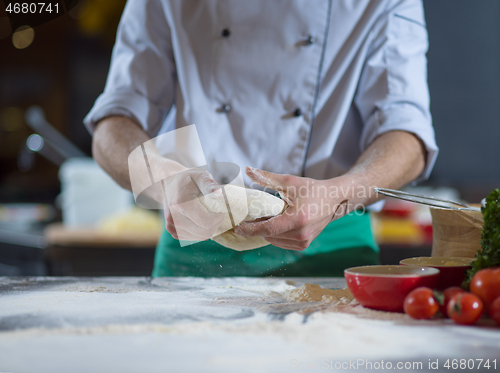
[464, 82]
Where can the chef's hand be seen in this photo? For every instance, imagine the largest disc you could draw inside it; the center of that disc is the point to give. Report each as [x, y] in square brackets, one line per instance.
[186, 217]
[312, 205]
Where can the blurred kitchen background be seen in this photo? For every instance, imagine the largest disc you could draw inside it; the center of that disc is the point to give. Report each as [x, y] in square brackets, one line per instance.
[50, 75]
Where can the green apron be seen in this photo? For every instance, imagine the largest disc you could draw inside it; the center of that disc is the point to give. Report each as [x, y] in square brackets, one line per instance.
[344, 243]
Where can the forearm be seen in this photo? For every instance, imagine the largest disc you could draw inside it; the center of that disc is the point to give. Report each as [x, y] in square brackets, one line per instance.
[393, 160]
[114, 139]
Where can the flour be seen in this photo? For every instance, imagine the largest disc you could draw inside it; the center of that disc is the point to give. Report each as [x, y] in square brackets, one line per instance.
[315, 293]
[99, 289]
[214, 325]
[336, 335]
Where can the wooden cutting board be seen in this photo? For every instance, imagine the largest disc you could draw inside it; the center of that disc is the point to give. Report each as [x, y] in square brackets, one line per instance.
[456, 233]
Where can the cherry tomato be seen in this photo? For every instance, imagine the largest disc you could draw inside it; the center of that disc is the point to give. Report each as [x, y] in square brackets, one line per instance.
[486, 285]
[421, 304]
[465, 308]
[495, 310]
[447, 295]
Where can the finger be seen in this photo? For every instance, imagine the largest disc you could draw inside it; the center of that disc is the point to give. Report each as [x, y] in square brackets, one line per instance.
[170, 228]
[305, 232]
[285, 244]
[184, 235]
[265, 178]
[277, 182]
[168, 216]
[267, 228]
[206, 184]
[169, 223]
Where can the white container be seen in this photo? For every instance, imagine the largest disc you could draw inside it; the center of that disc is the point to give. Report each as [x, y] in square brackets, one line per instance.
[88, 194]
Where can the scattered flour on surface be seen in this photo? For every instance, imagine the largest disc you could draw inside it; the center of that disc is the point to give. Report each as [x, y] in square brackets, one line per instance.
[315, 293]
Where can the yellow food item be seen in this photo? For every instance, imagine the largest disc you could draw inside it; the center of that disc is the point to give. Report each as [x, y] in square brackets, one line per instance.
[391, 230]
[135, 220]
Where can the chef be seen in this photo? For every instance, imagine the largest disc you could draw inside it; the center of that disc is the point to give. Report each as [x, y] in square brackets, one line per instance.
[310, 95]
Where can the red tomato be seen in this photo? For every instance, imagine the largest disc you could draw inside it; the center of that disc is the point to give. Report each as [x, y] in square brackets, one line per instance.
[465, 308]
[421, 304]
[495, 310]
[486, 285]
[447, 295]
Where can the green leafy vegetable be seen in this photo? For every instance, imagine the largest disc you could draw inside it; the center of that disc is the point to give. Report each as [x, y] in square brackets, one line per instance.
[490, 237]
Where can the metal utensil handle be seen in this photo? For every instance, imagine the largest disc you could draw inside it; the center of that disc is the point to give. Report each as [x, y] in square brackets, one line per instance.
[410, 197]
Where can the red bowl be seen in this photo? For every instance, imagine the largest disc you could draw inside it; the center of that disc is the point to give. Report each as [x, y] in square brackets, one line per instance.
[385, 287]
[452, 270]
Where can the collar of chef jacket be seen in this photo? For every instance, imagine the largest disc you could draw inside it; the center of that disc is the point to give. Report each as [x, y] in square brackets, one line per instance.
[294, 87]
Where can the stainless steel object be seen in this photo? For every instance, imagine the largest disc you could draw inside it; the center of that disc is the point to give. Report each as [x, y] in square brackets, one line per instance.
[35, 118]
[424, 200]
[37, 144]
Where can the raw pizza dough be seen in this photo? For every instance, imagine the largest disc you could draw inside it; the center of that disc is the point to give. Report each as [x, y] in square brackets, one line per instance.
[245, 205]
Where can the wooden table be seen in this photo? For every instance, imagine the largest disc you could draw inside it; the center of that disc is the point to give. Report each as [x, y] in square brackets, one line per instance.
[136, 324]
[90, 252]
[57, 235]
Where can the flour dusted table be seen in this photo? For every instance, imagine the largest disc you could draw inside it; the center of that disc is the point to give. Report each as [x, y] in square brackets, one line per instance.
[139, 324]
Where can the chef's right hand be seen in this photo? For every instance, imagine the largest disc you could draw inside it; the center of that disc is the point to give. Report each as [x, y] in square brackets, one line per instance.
[187, 219]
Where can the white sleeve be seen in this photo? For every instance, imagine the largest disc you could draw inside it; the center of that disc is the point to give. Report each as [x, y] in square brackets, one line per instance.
[393, 93]
[141, 79]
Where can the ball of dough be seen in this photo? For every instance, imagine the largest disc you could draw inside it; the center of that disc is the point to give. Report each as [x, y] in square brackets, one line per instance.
[245, 205]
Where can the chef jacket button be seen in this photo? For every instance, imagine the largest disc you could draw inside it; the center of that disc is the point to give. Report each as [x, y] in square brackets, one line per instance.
[225, 108]
[297, 112]
[310, 40]
[225, 33]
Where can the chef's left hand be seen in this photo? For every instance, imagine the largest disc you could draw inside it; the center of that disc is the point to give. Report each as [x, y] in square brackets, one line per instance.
[312, 204]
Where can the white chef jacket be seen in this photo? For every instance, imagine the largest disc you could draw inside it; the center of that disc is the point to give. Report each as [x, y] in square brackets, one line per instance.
[295, 87]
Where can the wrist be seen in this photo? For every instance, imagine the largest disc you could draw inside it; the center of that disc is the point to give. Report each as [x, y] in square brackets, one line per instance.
[353, 190]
